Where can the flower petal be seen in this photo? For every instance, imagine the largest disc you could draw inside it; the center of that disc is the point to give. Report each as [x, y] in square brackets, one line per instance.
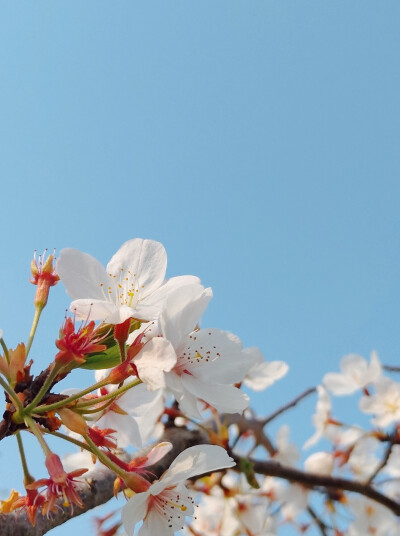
[214, 356]
[153, 360]
[224, 398]
[155, 524]
[82, 274]
[182, 311]
[145, 258]
[93, 309]
[194, 461]
[134, 511]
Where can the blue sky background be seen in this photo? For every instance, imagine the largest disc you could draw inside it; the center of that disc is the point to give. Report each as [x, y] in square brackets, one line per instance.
[258, 140]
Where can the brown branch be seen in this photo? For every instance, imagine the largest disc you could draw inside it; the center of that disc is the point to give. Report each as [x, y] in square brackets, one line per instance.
[320, 524]
[289, 405]
[391, 368]
[315, 481]
[98, 489]
[255, 426]
[388, 451]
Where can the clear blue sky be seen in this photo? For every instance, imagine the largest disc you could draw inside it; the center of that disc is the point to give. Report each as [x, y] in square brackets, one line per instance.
[258, 140]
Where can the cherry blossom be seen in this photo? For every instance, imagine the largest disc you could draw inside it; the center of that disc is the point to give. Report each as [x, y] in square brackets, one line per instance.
[207, 361]
[261, 373]
[355, 374]
[132, 285]
[164, 506]
[384, 404]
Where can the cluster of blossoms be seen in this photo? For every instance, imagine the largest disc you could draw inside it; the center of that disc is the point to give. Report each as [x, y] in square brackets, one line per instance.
[158, 372]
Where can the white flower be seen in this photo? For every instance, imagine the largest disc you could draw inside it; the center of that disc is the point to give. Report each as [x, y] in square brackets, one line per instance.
[132, 285]
[321, 417]
[392, 467]
[194, 365]
[371, 518]
[355, 374]
[262, 373]
[320, 463]
[164, 506]
[384, 404]
[287, 453]
[362, 459]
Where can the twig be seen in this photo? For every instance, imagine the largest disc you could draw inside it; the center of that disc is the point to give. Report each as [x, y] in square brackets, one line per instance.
[289, 405]
[320, 524]
[273, 468]
[391, 368]
[385, 459]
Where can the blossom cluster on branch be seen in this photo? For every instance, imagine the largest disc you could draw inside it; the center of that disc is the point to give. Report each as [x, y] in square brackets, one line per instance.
[168, 418]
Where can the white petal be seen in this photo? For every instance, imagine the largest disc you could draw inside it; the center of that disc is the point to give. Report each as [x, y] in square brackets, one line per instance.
[145, 258]
[158, 452]
[213, 356]
[262, 375]
[320, 463]
[182, 311]
[155, 524]
[224, 398]
[134, 511]
[159, 296]
[194, 461]
[339, 384]
[156, 358]
[352, 363]
[82, 274]
[92, 309]
[375, 367]
[127, 429]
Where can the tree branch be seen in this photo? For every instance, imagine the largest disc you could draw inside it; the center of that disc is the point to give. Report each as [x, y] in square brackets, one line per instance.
[314, 481]
[289, 405]
[97, 489]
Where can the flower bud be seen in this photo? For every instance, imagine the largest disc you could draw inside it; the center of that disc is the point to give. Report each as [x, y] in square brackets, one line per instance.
[73, 421]
[44, 276]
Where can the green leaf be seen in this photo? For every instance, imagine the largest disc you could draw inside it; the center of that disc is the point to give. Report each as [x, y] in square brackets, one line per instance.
[247, 469]
[110, 357]
[107, 359]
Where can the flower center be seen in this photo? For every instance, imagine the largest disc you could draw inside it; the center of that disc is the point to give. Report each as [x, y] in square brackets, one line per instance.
[123, 290]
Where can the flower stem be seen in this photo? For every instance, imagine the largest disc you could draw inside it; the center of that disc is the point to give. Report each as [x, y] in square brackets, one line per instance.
[38, 312]
[66, 401]
[28, 478]
[43, 390]
[109, 396]
[76, 442]
[4, 346]
[104, 458]
[13, 395]
[34, 427]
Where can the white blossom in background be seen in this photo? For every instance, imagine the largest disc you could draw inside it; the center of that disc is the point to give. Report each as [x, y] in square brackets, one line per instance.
[371, 518]
[262, 374]
[294, 498]
[286, 453]
[392, 468]
[164, 506]
[321, 416]
[363, 459]
[320, 463]
[132, 285]
[210, 517]
[384, 404]
[355, 374]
